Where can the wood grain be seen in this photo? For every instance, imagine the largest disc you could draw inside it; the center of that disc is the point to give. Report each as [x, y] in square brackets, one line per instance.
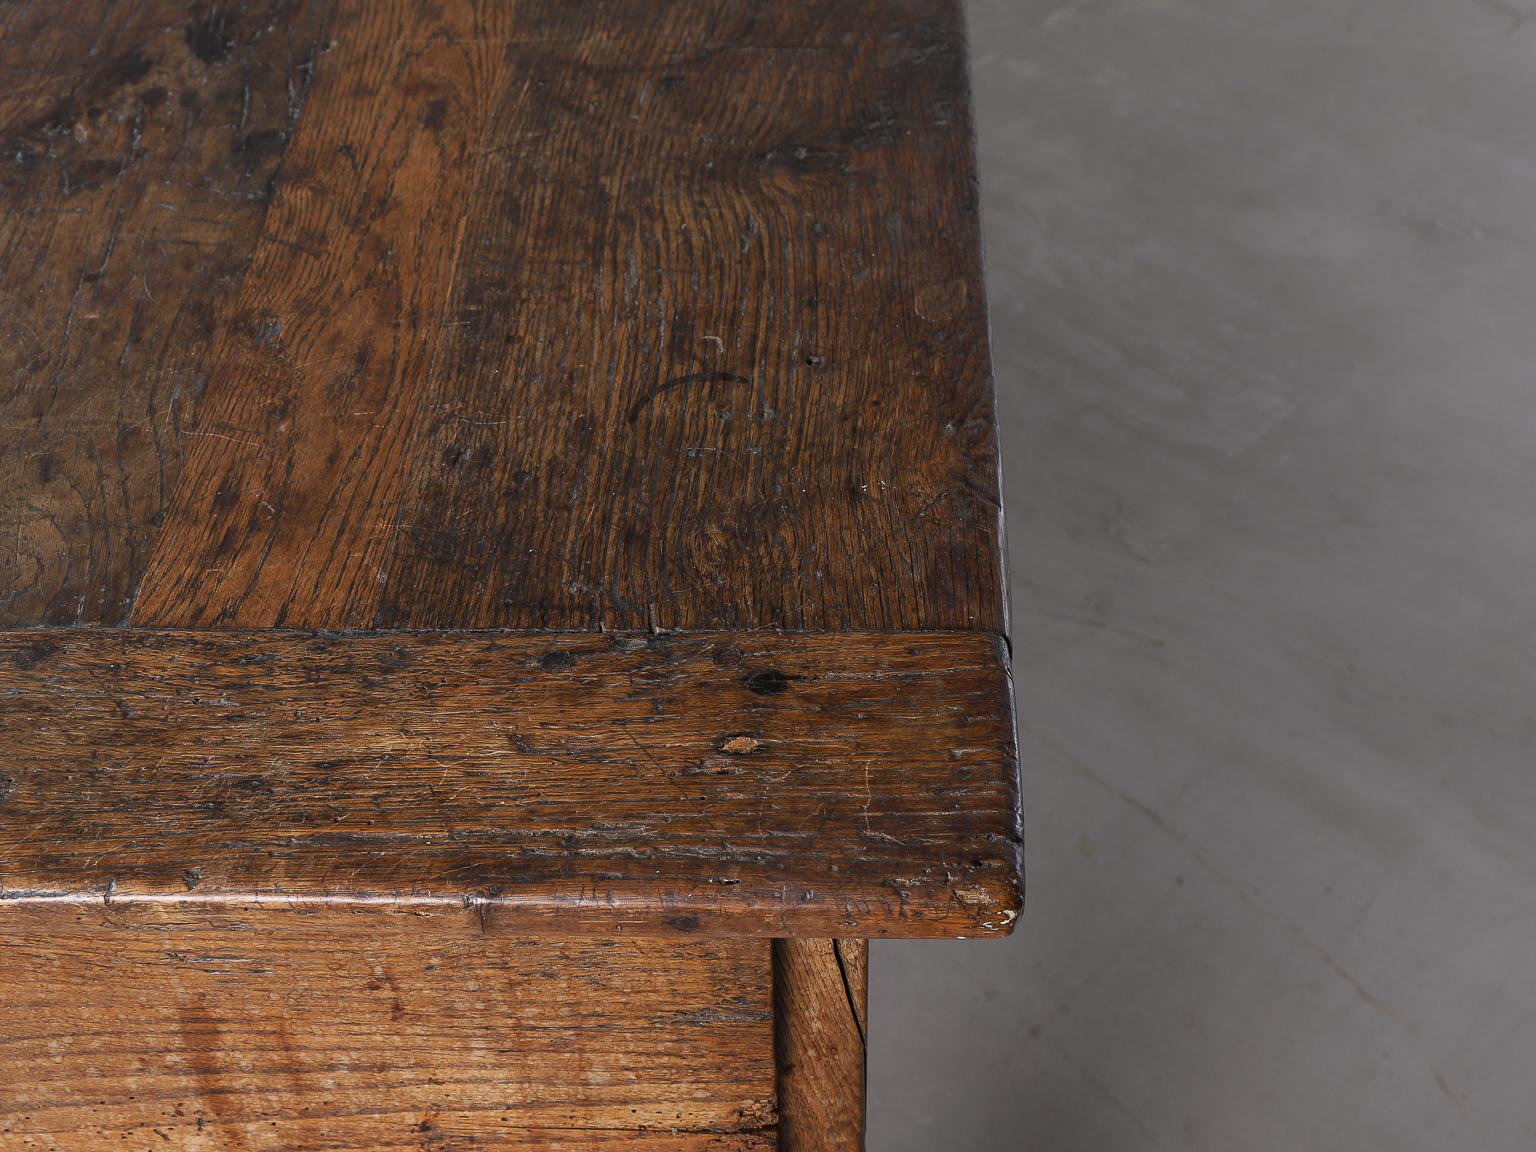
[821, 997]
[326, 1034]
[652, 330]
[714, 783]
[722, 356]
[330, 356]
[138, 148]
[530, 315]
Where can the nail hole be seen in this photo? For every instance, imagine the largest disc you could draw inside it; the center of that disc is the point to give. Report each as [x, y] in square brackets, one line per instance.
[768, 682]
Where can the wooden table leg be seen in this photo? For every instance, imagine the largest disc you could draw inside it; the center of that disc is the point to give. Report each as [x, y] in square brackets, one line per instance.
[820, 990]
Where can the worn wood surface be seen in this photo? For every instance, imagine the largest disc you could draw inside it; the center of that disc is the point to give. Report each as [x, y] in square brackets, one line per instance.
[821, 997]
[756, 783]
[366, 1034]
[653, 331]
[522, 314]
[139, 145]
[531, 315]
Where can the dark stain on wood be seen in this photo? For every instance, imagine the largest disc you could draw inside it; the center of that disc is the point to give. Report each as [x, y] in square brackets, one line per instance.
[684, 381]
[210, 35]
[767, 682]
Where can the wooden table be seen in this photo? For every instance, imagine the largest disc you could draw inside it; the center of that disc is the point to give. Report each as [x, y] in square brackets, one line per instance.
[499, 566]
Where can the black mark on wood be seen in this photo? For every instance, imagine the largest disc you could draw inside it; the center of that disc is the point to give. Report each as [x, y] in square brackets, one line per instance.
[557, 661]
[682, 382]
[767, 682]
[212, 35]
[29, 655]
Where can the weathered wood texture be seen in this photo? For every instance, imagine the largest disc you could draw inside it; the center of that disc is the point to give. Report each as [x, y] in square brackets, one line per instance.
[370, 1035]
[139, 144]
[753, 783]
[576, 318]
[522, 314]
[821, 997]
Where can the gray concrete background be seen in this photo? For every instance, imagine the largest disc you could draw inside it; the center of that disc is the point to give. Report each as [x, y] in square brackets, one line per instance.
[1263, 279]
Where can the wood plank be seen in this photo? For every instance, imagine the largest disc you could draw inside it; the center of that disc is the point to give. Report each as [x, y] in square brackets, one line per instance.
[369, 1034]
[465, 1132]
[328, 360]
[821, 1005]
[723, 358]
[568, 316]
[769, 784]
[470, 1132]
[138, 145]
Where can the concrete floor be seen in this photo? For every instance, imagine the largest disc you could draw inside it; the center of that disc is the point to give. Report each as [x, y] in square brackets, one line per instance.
[1263, 280]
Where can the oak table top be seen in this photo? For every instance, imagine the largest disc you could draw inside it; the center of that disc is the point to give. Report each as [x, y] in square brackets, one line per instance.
[529, 465]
